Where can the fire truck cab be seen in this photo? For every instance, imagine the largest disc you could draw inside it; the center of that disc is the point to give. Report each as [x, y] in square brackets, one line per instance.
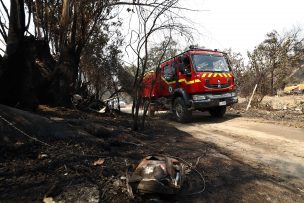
[197, 79]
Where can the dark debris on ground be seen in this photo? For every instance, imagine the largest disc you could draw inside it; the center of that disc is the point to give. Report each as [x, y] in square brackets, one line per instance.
[89, 164]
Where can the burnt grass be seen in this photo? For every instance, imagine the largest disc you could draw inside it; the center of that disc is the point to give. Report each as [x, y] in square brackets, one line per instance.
[31, 171]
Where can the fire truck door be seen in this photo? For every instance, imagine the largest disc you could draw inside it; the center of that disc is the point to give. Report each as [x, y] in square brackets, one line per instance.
[169, 79]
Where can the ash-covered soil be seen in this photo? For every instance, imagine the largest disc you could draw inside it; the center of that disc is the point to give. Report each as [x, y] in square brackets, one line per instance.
[61, 166]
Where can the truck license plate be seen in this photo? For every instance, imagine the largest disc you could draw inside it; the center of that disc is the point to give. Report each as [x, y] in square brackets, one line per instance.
[222, 103]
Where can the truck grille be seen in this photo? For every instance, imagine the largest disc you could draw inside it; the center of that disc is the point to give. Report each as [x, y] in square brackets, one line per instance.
[217, 86]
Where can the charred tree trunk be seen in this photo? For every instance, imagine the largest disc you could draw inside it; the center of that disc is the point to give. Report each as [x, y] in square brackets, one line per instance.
[65, 76]
[61, 84]
[27, 67]
[16, 78]
[272, 82]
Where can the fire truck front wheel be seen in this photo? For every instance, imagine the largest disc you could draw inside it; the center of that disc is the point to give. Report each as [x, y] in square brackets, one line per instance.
[217, 112]
[180, 110]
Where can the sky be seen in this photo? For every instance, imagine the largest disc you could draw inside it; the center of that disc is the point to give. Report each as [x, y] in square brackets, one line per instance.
[237, 24]
[242, 24]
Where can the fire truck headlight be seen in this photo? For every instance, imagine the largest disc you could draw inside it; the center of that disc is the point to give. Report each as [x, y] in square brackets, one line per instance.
[198, 97]
[233, 94]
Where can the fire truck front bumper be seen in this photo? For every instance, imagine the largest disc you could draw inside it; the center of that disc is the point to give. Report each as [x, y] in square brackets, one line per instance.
[204, 101]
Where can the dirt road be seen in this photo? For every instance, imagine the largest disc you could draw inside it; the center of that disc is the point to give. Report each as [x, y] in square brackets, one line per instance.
[273, 148]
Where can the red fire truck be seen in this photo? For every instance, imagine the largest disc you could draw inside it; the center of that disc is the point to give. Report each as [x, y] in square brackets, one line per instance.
[197, 79]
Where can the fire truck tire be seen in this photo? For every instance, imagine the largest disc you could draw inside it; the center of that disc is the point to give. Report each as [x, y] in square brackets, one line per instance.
[217, 112]
[180, 110]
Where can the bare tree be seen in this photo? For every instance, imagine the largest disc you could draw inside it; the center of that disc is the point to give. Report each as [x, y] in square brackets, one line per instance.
[237, 62]
[153, 17]
[163, 52]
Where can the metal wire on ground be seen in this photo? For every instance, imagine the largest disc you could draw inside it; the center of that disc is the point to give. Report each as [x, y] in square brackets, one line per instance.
[12, 125]
[21, 131]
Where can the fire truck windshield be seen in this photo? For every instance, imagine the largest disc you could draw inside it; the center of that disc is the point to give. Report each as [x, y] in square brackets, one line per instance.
[208, 62]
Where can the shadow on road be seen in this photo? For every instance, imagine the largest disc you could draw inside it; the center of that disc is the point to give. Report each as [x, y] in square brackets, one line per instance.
[198, 117]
